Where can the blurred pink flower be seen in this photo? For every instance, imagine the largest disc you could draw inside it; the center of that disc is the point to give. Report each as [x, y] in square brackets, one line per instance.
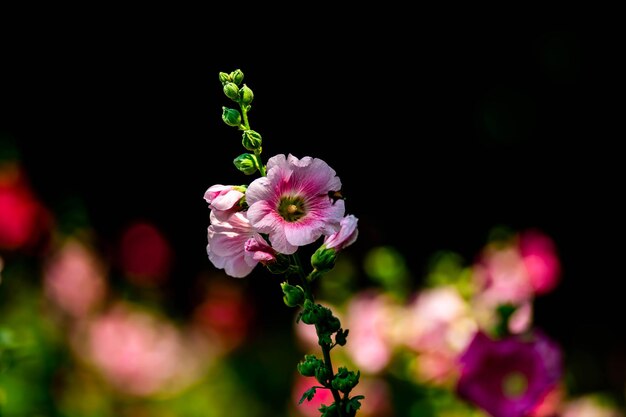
[145, 254]
[75, 279]
[258, 250]
[370, 317]
[502, 277]
[589, 406]
[291, 204]
[224, 200]
[541, 261]
[377, 402]
[227, 244]
[509, 377]
[225, 315]
[23, 219]
[438, 326]
[346, 236]
[140, 354]
[517, 270]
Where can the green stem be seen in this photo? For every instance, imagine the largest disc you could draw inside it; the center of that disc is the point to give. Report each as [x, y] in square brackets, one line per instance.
[244, 114]
[329, 367]
[257, 153]
[259, 163]
[325, 346]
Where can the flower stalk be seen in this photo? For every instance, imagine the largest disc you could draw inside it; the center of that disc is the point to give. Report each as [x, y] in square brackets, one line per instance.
[268, 221]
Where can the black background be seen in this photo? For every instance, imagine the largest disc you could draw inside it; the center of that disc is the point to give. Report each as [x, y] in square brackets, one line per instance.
[439, 129]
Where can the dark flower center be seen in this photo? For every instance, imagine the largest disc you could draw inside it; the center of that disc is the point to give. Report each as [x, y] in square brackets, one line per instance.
[291, 208]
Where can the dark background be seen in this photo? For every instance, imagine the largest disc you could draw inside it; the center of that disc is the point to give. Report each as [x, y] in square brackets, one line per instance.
[439, 132]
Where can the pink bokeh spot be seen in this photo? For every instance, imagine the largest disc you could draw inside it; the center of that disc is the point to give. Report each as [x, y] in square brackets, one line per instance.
[75, 279]
[540, 258]
[22, 218]
[145, 254]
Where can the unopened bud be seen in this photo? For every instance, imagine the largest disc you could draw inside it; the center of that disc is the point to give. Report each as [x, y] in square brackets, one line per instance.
[309, 365]
[245, 163]
[232, 91]
[323, 260]
[345, 380]
[245, 95]
[293, 296]
[236, 76]
[231, 117]
[224, 78]
[251, 140]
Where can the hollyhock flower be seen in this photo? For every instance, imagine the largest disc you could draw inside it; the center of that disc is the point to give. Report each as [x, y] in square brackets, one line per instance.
[438, 326]
[346, 235]
[590, 405]
[23, 219]
[224, 199]
[541, 261]
[75, 279]
[258, 250]
[141, 354]
[370, 316]
[292, 204]
[509, 377]
[227, 244]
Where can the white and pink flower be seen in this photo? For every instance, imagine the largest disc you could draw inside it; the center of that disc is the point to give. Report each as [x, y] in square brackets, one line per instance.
[224, 200]
[346, 236]
[227, 244]
[292, 204]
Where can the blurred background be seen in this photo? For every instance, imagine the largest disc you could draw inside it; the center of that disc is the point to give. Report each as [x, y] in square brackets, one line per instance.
[447, 138]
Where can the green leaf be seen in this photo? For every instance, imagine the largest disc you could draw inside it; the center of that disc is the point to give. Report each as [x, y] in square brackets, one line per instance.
[354, 403]
[308, 395]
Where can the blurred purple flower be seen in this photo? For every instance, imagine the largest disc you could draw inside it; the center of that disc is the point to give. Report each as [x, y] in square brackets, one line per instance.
[509, 377]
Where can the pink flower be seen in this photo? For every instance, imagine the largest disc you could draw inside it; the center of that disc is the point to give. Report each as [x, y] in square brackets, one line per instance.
[292, 205]
[258, 250]
[75, 279]
[141, 354]
[509, 377]
[227, 242]
[370, 316]
[346, 236]
[224, 200]
[540, 258]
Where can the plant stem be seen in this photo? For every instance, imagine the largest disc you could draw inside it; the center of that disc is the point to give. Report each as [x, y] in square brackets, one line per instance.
[325, 346]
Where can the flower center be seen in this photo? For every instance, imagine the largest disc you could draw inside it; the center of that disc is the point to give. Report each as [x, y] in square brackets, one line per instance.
[291, 208]
[514, 384]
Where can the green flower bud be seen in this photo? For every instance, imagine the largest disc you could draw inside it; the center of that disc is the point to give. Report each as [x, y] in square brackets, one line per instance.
[224, 78]
[232, 91]
[309, 365]
[322, 374]
[345, 380]
[311, 313]
[341, 336]
[329, 410]
[236, 76]
[323, 259]
[231, 117]
[251, 140]
[332, 324]
[245, 95]
[294, 296]
[246, 163]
